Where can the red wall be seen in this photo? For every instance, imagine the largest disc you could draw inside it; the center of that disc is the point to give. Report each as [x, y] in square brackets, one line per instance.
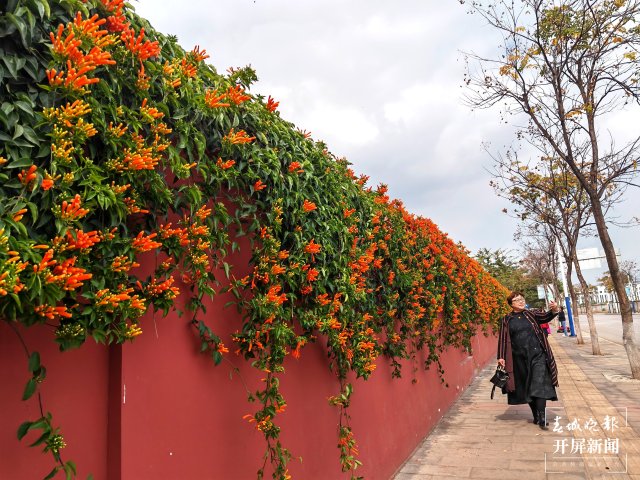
[75, 392]
[174, 415]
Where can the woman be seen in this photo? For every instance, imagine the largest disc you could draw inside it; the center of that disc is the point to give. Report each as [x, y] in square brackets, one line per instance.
[524, 352]
[562, 320]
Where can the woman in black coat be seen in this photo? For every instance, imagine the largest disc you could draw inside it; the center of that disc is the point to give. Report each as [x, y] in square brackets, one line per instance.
[524, 352]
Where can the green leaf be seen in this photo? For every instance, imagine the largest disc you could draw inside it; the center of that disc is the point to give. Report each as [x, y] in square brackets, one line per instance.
[34, 362]
[23, 429]
[20, 163]
[41, 439]
[15, 297]
[13, 63]
[52, 473]
[33, 209]
[30, 135]
[19, 130]
[29, 389]
[20, 25]
[24, 106]
[70, 468]
[217, 357]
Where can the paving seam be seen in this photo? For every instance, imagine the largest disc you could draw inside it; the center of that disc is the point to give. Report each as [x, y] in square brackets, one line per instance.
[580, 396]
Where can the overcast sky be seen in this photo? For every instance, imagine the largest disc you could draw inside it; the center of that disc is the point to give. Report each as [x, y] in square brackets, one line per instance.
[380, 83]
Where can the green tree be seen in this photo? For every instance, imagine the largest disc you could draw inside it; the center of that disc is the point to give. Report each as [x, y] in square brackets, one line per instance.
[508, 270]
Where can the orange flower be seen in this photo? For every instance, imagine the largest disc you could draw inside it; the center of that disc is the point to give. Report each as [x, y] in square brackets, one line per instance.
[225, 165]
[308, 206]
[143, 159]
[155, 288]
[75, 78]
[283, 254]
[136, 45]
[188, 70]
[213, 100]
[304, 133]
[272, 104]
[236, 95]
[68, 275]
[19, 214]
[117, 22]
[296, 353]
[238, 138]
[174, 83]
[274, 295]
[132, 207]
[113, 6]
[323, 299]
[199, 55]
[312, 247]
[144, 244]
[277, 270]
[46, 184]
[52, 313]
[295, 167]
[203, 213]
[73, 210]
[46, 262]
[312, 274]
[259, 186]
[26, 177]
[82, 240]
[122, 264]
[150, 113]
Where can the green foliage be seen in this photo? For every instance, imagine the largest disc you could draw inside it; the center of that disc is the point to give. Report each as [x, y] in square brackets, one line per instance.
[117, 144]
[508, 271]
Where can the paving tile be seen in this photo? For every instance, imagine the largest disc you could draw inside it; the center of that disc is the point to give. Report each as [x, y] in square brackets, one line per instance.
[413, 476]
[495, 473]
[438, 470]
[480, 438]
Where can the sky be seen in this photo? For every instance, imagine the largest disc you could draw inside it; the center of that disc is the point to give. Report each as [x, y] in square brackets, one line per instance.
[380, 83]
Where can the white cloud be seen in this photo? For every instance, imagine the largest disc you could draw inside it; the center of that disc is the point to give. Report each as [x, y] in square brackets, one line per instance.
[341, 126]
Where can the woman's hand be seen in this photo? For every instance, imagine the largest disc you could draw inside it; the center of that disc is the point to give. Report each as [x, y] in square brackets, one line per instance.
[501, 362]
[554, 306]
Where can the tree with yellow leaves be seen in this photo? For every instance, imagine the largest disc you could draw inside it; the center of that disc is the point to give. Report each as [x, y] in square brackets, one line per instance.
[567, 66]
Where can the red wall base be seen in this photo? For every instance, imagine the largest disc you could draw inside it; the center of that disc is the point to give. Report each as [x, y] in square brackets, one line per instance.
[75, 392]
[158, 409]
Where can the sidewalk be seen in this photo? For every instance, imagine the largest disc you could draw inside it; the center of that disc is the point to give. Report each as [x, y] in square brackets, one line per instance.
[480, 438]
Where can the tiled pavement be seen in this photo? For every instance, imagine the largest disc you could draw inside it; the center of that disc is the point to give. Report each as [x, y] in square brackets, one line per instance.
[480, 438]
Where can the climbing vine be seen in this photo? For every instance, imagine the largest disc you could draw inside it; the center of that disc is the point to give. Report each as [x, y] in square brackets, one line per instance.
[118, 146]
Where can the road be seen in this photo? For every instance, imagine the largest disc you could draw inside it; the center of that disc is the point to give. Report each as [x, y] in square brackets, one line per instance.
[609, 326]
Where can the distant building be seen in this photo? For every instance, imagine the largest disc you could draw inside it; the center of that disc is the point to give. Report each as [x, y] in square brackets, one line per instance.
[603, 300]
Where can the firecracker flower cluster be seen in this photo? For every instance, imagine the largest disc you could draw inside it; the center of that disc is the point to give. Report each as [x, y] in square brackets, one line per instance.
[121, 146]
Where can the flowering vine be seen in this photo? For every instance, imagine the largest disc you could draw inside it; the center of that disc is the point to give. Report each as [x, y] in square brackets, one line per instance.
[125, 147]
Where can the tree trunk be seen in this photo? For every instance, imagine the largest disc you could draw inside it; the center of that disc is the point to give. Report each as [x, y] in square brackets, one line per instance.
[595, 342]
[628, 335]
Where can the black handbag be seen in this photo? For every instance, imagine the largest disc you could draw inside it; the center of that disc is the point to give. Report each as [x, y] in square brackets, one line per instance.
[499, 379]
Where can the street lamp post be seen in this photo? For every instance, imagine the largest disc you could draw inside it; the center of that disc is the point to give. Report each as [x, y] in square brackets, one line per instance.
[565, 292]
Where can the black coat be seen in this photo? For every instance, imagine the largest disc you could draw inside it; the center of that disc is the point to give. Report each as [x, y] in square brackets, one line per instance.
[535, 317]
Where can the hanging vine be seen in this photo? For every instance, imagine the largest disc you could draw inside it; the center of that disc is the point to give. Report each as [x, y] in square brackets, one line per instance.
[119, 146]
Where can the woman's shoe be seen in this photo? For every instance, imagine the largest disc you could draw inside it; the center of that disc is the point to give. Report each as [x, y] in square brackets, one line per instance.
[535, 418]
[542, 421]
